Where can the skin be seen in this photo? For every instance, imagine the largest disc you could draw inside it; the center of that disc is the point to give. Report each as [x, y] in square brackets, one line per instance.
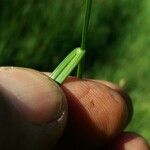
[33, 110]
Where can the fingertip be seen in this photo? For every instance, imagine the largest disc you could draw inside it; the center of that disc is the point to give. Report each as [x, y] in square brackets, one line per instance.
[97, 112]
[129, 141]
[32, 107]
[37, 97]
[123, 94]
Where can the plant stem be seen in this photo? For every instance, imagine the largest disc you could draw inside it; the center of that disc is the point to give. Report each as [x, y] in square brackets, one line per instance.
[86, 23]
[84, 35]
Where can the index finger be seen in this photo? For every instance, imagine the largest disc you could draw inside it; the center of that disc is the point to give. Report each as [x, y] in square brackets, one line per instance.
[98, 111]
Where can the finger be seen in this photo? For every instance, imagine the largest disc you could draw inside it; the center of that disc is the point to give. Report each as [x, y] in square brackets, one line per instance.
[32, 106]
[97, 112]
[123, 94]
[129, 141]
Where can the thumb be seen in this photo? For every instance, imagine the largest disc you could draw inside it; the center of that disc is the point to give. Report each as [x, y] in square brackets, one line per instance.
[33, 109]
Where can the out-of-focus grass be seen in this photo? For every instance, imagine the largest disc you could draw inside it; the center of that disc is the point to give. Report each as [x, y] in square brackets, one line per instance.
[39, 34]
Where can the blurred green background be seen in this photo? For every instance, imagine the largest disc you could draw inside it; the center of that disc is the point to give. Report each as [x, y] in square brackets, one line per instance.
[39, 33]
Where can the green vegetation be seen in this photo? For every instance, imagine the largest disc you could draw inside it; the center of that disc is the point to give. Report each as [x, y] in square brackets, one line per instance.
[38, 34]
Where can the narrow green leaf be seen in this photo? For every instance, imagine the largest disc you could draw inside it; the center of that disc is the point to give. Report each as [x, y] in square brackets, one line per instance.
[67, 65]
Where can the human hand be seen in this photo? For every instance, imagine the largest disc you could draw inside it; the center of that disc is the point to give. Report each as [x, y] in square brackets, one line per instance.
[33, 113]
